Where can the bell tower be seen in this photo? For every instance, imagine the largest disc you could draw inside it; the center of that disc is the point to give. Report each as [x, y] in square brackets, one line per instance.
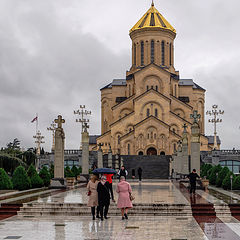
[153, 41]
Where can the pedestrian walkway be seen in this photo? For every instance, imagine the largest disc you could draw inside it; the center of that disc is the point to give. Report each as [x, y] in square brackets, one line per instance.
[210, 218]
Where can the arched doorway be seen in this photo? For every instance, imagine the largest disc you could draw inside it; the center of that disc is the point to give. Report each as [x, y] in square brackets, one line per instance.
[140, 153]
[162, 153]
[151, 151]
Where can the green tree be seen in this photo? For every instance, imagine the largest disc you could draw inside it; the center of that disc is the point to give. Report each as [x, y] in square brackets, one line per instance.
[5, 181]
[204, 169]
[45, 176]
[221, 175]
[51, 171]
[213, 174]
[226, 184]
[36, 181]
[236, 183]
[20, 179]
[75, 171]
[68, 172]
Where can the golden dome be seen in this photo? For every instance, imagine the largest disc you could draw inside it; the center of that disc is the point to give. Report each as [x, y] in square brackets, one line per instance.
[152, 19]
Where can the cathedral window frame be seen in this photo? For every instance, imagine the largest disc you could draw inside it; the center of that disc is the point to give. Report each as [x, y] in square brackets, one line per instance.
[163, 53]
[142, 53]
[152, 51]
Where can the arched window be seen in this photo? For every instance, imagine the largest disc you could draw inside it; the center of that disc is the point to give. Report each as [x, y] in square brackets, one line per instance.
[134, 54]
[147, 87]
[155, 135]
[157, 88]
[170, 53]
[148, 112]
[142, 53]
[156, 112]
[163, 53]
[151, 87]
[128, 149]
[118, 139]
[152, 51]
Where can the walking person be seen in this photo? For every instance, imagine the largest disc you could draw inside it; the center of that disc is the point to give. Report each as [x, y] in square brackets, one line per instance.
[122, 172]
[124, 191]
[93, 195]
[140, 174]
[192, 179]
[103, 197]
[109, 180]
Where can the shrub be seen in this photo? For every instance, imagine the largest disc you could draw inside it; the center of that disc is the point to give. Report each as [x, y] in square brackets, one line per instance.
[68, 172]
[5, 181]
[204, 169]
[45, 176]
[51, 171]
[221, 175]
[75, 171]
[20, 179]
[36, 181]
[213, 174]
[226, 183]
[236, 183]
[31, 171]
[79, 170]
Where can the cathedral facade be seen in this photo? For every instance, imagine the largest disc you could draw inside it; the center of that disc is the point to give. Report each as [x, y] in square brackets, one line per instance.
[143, 114]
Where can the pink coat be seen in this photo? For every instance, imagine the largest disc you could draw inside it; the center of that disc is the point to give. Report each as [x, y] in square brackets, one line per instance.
[123, 189]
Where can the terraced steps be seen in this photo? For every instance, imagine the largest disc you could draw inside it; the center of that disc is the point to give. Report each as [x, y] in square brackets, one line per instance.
[72, 209]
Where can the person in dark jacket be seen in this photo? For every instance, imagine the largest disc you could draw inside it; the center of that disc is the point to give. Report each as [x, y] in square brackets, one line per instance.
[140, 174]
[122, 172]
[192, 179]
[103, 197]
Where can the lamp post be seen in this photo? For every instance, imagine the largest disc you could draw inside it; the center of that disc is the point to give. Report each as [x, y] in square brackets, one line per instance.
[82, 112]
[231, 178]
[38, 141]
[215, 112]
[52, 128]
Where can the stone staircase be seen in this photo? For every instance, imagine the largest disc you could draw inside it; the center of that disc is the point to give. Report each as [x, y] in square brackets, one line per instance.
[154, 167]
[9, 210]
[75, 209]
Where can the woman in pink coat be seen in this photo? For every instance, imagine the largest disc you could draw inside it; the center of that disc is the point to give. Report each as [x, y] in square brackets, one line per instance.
[124, 189]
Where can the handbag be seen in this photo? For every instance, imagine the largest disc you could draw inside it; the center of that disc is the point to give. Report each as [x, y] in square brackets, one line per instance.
[131, 197]
[89, 193]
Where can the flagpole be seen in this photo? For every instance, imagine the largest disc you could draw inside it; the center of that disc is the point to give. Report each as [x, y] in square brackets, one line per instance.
[37, 123]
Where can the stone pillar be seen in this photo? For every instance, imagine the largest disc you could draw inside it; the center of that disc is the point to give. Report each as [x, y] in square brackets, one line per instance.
[195, 147]
[215, 157]
[184, 165]
[110, 165]
[58, 180]
[100, 156]
[85, 153]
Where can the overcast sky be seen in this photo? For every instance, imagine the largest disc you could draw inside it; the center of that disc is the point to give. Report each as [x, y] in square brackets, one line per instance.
[57, 54]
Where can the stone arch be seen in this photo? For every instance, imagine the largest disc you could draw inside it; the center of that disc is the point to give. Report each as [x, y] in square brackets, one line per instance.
[152, 105]
[174, 127]
[151, 131]
[152, 81]
[125, 111]
[173, 146]
[129, 128]
[180, 112]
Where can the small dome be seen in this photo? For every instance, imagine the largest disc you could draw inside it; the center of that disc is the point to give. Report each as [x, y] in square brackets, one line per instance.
[153, 19]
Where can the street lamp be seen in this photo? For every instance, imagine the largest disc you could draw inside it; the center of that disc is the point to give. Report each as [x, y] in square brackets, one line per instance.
[215, 112]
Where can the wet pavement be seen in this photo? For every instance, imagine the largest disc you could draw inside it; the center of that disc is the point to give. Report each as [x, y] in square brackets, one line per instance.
[211, 217]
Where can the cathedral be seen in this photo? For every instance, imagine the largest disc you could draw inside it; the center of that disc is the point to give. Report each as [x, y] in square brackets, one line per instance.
[144, 113]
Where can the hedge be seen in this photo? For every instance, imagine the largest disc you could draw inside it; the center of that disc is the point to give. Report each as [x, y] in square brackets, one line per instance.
[5, 181]
[20, 179]
[221, 175]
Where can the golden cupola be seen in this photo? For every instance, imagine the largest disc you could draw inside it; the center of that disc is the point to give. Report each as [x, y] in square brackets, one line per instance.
[153, 41]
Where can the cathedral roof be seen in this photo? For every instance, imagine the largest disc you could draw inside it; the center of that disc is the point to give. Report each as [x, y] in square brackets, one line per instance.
[189, 82]
[153, 19]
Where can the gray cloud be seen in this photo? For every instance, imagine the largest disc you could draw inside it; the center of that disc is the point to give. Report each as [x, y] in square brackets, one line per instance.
[57, 54]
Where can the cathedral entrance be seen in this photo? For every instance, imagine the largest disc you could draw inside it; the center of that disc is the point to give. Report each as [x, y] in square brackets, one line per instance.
[151, 151]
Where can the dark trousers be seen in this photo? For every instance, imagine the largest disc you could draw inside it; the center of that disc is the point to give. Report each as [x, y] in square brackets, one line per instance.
[93, 210]
[105, 206]
[140, 177]
[111, 190]
[192, 187]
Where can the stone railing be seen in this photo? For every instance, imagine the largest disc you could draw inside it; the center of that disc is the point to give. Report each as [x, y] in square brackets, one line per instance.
[72, 152]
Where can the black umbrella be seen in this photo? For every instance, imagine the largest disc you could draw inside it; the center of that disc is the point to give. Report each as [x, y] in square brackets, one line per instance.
[104, 171]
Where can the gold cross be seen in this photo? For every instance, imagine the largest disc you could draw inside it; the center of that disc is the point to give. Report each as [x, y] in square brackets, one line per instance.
[59, 121]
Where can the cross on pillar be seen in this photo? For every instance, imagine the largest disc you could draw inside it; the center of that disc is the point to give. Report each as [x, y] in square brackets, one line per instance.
[85, 126]
[59, 121]
[195, 116]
